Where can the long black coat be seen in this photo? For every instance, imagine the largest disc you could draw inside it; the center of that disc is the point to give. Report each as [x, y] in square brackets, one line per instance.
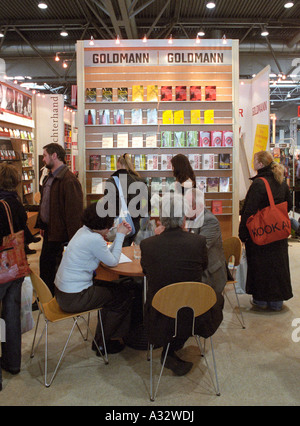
[268, 276]
[175, 256]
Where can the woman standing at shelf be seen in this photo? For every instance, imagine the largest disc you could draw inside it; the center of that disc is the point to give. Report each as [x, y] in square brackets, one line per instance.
[183, 173]
[134, 188]
[268, 276]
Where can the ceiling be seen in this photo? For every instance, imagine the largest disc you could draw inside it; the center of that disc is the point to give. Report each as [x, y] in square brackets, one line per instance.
[32, 35]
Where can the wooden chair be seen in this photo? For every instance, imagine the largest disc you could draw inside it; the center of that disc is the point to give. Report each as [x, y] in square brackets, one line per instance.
[168, 301]
[233, 251]
[50, 310]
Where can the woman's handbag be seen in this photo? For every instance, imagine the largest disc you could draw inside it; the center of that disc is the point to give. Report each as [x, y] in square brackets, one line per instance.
[124, 213]
[271, 223]
[13, 261]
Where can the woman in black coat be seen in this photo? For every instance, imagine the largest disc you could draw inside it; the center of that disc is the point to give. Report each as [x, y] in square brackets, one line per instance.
[268, 275]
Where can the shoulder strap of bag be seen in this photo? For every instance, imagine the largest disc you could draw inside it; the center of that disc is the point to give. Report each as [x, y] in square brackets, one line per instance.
[9, 215]
[119, 186]
[269, 192]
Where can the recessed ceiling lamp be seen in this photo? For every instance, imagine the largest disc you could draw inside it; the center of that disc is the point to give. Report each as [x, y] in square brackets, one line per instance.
[201, 33]
[264, 32]
[42, 5]
[210, 5]
[64, 32]
[289, 4]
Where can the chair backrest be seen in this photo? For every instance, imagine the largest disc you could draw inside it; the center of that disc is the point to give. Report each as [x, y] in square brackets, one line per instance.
[233, 248]
[198, 296]
[42, 290]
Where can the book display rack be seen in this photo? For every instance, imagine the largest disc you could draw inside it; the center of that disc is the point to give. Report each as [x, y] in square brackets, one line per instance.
[155, 101]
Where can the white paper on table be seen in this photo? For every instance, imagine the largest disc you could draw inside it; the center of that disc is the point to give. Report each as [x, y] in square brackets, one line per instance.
[124, 259]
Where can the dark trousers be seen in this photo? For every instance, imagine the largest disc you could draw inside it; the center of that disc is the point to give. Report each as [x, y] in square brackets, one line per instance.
[10, 297]
[50, 259]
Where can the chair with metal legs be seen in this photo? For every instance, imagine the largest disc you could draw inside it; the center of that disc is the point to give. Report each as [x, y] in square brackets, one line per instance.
[168, 301]
[52, 313]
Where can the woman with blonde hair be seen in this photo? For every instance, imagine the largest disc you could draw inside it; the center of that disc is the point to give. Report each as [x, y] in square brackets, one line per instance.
[268, 274]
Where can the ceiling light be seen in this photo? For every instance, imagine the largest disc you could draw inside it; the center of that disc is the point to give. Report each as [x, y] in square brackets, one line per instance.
[198, 40]
[65, 65]
[170, 41]
[64, 32]
[57, 58]
[288, 95]
[201, 33]
[1, 34]
[289, 4]
[91, 42]
[118, 39]
[210, 5]
[144, 39]
[224, 40]
[264, 32]
[42, 5]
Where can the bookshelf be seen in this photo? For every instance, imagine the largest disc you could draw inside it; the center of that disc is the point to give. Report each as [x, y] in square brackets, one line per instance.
[156, 110]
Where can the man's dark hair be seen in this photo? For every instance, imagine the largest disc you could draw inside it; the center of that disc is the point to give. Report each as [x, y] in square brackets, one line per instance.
[52, 148]
[91, 219]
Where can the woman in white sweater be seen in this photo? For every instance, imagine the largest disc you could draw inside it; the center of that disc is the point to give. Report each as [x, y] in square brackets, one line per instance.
[77, 291]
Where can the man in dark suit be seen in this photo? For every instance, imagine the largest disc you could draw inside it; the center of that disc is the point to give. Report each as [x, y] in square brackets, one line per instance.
[174, 256]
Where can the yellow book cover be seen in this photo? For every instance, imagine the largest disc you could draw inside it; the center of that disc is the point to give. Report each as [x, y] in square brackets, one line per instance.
[138, 93]
[209, 116]
[179, 117]
[152, 93]
[195, 116]
[167, 116]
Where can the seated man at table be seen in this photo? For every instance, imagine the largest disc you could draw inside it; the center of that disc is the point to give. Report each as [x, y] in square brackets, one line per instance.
[174, 256]
[76, 291]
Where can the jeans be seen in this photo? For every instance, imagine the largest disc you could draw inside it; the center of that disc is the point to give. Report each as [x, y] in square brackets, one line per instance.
[10, 296]
[276, 306]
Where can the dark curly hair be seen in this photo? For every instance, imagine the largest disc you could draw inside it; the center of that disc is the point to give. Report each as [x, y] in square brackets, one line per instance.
[91, 219]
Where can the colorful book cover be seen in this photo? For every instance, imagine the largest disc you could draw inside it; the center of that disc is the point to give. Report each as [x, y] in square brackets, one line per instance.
[205, 138]
[179, 117]
[194, 160]
[224, 184]
[195, 93]
[107, 94]
[152, 93]
[136, 162]
[143, 162]
[179, 139]
[216, 138]
[201, 183]
[216, 206]
[166, 93]
[180, 93]
[119, 116]
[166, 139]
[137, 140]
[90, 116]
[107, 140]
[167, 117]
[151, 116]
[212, 184]
[90, 94]
[166, 161]
[227, 138]
[152, 162]
[122, 94]
[209, 116]
[136, 116]
[122, 140]
[208, 161]
[195, 116]
[137, 93]
[210, 93]
[111, 162]
[224, 161]
[151, 140]
[192, 138]
[95, 162]
[104, 116]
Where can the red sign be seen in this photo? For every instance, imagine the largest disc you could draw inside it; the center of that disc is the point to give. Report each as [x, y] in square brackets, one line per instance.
[299, 111]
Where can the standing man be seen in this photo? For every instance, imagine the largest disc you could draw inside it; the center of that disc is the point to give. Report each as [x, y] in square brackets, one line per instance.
[60, 212]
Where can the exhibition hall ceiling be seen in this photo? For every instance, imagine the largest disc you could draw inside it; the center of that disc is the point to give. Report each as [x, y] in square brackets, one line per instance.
[32, 36]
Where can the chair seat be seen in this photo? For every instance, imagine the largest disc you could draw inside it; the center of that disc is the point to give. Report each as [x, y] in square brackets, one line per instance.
[54, 313]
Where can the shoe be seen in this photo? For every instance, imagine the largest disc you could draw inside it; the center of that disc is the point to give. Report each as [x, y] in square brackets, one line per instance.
[36, 239]
[29, 251]
[177, 365]
[258, 305]
[10, 370]
[0, 387]
[112, 347]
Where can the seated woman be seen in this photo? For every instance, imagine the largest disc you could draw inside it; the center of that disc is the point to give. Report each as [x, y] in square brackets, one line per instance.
[76, 291]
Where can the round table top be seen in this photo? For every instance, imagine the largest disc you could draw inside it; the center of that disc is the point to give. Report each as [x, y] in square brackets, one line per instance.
[131, 269]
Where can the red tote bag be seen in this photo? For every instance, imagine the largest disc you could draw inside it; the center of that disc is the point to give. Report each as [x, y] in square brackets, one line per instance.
[13, 261]
[271, 223]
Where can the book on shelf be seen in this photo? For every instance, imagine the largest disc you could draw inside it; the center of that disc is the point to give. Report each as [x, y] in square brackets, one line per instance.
[192, 138]
[143, 162]
[194, 160]
[122, 140]
[137, 93]
[30, 145]
[227, 138]
[95, 162]
[205, 138]
[89, 116]
[208, 161]
[151, 116]
[137, 140]
[31, 174]
[119, 116]
[224, 161]
[152, 162]
[151, 140]
[136, 116]
[167, 117]
[212, 184]
[104, 116]
[97, 186]
[195, 116]
[210, 93]
[156, 184]
[152, 93]
[107, 94]
[179, 117]
[180, 93]
[201, 183]
[110, 162]
[166, 161]
[216, 206]
[107, 140]
[166, 139]
[179, 139]
[224, 184]
[209, 116]
[166, 93]
[90, 94]
[195, 93]
[170, 184]
[216, 137]
[122, 94]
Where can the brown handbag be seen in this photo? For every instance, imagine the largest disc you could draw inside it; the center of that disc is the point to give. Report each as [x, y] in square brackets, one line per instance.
[13, 261]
